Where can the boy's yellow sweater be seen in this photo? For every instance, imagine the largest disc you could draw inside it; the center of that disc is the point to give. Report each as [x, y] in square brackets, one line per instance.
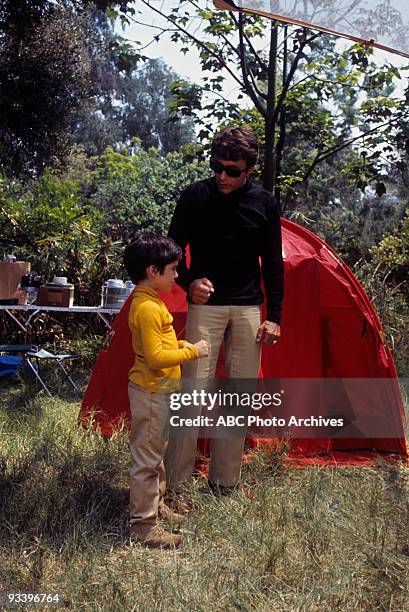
[158, 353]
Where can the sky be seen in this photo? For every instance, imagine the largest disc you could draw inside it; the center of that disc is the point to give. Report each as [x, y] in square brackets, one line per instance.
[187, 66]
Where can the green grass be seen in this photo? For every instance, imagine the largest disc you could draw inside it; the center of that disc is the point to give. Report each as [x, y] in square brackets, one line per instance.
[290, 539]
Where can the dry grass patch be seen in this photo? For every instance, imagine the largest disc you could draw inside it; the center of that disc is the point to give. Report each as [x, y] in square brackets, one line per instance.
[287, 540]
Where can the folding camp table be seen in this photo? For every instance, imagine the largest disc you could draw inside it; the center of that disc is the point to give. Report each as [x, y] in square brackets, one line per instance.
[29, 312]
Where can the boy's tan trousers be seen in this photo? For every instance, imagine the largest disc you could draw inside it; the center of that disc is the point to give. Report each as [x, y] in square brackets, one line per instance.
[148, 442]
[237, 326]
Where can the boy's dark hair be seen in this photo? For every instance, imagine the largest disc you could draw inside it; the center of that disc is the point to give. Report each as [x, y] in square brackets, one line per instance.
[234, 143]
[147, 250]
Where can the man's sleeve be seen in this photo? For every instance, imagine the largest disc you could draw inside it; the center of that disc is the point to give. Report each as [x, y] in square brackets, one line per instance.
[272, 266]
[179, 231]
[151, 336]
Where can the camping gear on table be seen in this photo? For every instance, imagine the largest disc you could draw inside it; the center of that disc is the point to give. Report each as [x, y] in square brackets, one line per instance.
[10, 277]
[57, 293]
[115, 293]
[29, 286]
[329, 331]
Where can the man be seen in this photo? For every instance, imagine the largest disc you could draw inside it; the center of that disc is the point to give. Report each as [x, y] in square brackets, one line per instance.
[229, 224]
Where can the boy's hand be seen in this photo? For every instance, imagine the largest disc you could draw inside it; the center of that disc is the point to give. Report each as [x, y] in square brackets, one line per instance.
[202, 347]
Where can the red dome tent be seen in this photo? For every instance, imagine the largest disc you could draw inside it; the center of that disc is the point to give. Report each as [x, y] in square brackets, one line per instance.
[330, 331]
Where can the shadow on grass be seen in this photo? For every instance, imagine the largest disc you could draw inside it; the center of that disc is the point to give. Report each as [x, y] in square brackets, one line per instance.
[24, 397]
[19, 399]
[58, 482]
[67, 505]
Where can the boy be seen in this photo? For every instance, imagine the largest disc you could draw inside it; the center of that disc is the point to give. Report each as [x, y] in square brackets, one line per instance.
[151, 261]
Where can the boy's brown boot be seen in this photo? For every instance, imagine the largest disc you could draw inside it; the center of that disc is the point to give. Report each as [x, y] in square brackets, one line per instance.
[154, 536]
[167, 514]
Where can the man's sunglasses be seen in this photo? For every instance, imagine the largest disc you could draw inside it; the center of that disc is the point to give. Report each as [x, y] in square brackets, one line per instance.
[229, 170]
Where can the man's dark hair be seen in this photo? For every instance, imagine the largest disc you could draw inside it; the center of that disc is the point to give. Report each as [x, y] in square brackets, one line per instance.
[234, 143]
[147, 250]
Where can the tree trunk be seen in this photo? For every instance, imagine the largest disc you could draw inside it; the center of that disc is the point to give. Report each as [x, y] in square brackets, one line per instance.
[270, 159]
[282, 123]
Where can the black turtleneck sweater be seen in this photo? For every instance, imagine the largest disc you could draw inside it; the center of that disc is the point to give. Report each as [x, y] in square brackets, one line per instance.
[227, 234]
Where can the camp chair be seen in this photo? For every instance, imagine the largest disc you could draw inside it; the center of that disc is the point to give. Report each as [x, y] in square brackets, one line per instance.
[32, 356]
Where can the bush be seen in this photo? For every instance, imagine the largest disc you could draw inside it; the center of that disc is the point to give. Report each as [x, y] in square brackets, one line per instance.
[391, 255]
[385, 277]
[75, 223]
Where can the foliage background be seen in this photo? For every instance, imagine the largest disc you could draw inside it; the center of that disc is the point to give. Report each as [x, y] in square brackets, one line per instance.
[97, 141]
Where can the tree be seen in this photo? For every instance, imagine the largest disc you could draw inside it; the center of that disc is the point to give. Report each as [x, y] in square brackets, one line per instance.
[303, 74]
[146, 111]
[44, 80]
[131, 95]
[97, 125]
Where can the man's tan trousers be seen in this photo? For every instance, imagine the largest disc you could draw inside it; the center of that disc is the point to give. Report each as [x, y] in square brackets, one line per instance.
[238, 326]
[148, 442]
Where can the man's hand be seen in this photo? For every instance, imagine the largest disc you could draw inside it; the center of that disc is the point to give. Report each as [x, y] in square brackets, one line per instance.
[200, 290]
[268, 332]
